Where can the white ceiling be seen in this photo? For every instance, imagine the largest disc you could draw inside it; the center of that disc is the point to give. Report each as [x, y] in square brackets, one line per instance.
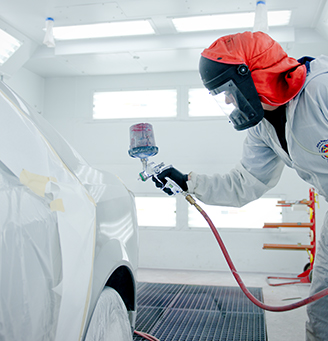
[167, 51]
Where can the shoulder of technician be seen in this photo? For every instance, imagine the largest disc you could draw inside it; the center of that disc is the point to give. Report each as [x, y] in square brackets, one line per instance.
[316, 79]
[318, 66]
[314, 93]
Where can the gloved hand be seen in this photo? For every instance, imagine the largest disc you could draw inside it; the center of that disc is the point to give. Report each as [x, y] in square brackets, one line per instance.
[172, 173]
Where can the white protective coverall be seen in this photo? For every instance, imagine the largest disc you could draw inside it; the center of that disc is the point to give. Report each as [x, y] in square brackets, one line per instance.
[262, 163]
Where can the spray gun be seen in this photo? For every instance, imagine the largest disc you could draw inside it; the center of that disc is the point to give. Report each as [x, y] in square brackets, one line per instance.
[142, 145]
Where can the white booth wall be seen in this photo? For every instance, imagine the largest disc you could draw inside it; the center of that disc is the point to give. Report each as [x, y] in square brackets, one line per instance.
[204, 145]
[29, 86]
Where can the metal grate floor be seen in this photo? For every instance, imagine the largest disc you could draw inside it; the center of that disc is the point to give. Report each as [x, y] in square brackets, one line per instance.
[176, 312]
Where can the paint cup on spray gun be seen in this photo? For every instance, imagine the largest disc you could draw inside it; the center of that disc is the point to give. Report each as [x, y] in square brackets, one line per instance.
[142, 145]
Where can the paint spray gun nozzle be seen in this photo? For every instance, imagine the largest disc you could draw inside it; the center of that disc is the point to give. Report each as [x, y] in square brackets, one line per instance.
[150, 169]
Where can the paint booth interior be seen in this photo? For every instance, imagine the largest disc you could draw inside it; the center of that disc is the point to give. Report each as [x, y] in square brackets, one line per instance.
[67, 111]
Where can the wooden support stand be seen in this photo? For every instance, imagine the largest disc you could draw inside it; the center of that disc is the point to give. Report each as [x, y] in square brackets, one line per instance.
[296, 225]
[287, 247]
[310, 248]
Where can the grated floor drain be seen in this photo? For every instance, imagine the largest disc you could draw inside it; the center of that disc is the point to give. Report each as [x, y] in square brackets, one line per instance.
[176, 312]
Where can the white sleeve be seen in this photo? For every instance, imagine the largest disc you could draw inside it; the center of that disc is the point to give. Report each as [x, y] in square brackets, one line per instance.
[259, 170]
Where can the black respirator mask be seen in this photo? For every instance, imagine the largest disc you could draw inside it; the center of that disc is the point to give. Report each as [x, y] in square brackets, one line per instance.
[233, 89]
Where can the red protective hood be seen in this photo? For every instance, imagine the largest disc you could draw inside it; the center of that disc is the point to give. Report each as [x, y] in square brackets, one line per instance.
[277, 77]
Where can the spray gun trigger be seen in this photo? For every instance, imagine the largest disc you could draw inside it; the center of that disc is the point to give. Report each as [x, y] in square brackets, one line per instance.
[172, 186]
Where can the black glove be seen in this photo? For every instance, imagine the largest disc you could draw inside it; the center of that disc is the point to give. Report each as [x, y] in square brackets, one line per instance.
[172, 173]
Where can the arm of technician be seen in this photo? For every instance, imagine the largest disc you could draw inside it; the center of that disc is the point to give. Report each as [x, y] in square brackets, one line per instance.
[258, 171]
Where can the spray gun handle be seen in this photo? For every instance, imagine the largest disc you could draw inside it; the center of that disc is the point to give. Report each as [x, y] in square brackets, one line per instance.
[172, 186]
[169, 183]
[151, 169]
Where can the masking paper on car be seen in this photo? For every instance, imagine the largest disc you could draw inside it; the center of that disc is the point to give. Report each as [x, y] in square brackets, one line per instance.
[47, 230]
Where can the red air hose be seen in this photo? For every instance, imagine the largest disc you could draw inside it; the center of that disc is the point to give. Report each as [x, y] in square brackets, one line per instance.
[241, 284]
[146, 336]
[301, 303]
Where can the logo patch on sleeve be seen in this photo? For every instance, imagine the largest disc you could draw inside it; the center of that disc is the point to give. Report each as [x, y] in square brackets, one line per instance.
[323, 148]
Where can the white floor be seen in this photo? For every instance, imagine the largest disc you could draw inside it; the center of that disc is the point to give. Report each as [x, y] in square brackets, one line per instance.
[280, 325]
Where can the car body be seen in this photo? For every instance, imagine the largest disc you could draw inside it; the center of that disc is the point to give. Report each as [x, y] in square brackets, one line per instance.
[67, 231]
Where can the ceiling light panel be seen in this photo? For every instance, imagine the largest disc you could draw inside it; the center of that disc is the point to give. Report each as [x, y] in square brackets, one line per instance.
[102, 30]
[8, 46]
[228, 21]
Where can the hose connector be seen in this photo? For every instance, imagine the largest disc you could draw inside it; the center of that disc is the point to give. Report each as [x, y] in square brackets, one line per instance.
[192, 202]
[190, 199]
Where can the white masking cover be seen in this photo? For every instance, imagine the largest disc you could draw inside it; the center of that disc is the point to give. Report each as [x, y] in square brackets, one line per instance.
[47, 230]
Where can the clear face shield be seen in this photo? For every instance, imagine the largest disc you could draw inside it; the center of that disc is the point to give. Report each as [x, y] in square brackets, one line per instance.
[234, 104]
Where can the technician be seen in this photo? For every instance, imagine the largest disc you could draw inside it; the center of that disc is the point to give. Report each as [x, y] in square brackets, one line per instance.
[283, 102]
